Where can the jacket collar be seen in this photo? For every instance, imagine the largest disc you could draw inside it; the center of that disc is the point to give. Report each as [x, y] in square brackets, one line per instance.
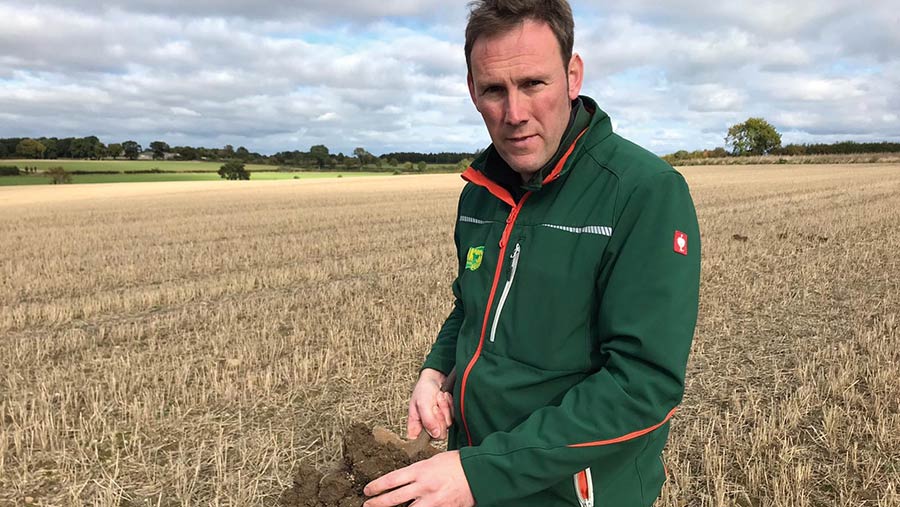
[492, 168]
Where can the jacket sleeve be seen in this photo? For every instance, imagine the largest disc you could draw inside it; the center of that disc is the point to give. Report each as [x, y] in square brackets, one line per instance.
[648, 298]
[443, 352]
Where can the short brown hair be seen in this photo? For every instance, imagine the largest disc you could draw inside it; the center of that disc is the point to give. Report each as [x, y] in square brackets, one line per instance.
[494, 17]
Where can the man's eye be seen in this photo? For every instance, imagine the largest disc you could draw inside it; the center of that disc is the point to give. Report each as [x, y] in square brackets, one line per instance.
[492, 90]
[533, 83]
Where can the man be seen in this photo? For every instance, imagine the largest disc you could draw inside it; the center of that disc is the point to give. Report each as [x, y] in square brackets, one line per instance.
[576, 298]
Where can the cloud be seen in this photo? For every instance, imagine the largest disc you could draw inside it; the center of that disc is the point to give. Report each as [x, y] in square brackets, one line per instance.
[306, 10]
[391, 75]
[813, 69]
[711, 97]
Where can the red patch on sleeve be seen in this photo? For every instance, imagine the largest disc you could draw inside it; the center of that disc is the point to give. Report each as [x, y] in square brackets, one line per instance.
[680, 243]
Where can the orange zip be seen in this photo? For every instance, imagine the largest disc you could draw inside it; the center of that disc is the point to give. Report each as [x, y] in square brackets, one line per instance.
[504, 241]
[584, 488]
[473, 176]
[630, 436]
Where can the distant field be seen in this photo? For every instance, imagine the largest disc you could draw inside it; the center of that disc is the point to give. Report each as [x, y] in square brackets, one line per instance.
[129, 165]
[40, 179]
[847, 158]
[175, 171]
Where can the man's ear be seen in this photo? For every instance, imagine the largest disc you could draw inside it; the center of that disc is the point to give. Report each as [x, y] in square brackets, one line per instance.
[471, 83]
[576, 76]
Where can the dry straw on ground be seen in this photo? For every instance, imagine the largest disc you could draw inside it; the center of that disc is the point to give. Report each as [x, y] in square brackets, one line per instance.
[193, 343]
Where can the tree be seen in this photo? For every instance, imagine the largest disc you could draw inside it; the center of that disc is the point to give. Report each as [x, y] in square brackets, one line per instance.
[29, 148]
[227, 152]
[242, 153]
[58, 175]
[159, 149]
[79, 148]
[234, 171]
[421, 166]
[131, 149]
[320, 153]
[64, 147]
[364, 156]
[86, 147]
[351, 163]
[793, 149]
[52, 147]
[186, 152]
[114, 150]
[753, 137]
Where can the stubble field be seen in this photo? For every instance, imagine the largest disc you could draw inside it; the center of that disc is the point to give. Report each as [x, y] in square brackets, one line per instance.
[193, 343]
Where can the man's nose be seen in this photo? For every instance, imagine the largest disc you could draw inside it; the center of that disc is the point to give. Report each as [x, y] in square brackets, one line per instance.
[516, 109]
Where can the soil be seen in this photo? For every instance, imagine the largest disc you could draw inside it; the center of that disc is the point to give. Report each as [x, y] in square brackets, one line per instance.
[366, 457]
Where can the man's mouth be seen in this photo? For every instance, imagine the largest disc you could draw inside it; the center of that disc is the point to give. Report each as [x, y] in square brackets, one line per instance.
[520, 139]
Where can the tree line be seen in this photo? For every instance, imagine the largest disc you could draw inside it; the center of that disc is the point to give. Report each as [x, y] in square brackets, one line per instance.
[318, 157]
[753, 137]
[756, 137]
[91, 148]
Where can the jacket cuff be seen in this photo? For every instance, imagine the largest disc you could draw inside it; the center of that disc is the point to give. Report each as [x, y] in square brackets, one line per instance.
[440, 363]
[487, 482]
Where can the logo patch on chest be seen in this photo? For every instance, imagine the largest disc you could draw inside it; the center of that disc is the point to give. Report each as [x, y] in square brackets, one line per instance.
[474, 257]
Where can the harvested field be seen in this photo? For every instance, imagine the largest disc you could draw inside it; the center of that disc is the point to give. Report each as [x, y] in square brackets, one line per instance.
[179, 344]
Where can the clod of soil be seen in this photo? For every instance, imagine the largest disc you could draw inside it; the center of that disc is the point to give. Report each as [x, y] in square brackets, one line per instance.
[366, 458]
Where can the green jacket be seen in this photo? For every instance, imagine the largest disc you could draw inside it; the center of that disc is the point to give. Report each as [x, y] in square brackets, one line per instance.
[574, 313]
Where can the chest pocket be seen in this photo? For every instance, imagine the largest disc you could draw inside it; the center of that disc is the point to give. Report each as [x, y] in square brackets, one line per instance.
[548, 296]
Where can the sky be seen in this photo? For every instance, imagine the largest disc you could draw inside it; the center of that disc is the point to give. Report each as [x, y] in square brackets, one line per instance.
[389, 76]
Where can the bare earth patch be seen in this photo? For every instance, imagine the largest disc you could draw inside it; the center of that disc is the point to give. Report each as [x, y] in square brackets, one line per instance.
[365, 458]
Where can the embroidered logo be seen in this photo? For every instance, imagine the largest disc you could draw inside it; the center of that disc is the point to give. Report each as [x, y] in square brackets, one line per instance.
[681, 243]
[473, 258]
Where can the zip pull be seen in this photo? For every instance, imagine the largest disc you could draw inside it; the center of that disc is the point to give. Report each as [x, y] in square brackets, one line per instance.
[511, 219]
[515, 261]
[512, 275]
[584, 488]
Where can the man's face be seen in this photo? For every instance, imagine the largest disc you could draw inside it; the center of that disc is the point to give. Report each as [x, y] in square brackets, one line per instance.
[524, 92]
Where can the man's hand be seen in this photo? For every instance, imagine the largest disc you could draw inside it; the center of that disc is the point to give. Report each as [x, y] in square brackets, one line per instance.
[435, 482]
[429, 407]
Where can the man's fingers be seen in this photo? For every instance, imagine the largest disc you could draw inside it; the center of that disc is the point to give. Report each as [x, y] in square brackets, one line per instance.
[442, 412]
[388, 482]
[445, 401]
[413, 430]
[392, 489]
[431, 420]
[413, 422]
[396, 497]
[437, 431]
[428, 407]
[436, 482]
